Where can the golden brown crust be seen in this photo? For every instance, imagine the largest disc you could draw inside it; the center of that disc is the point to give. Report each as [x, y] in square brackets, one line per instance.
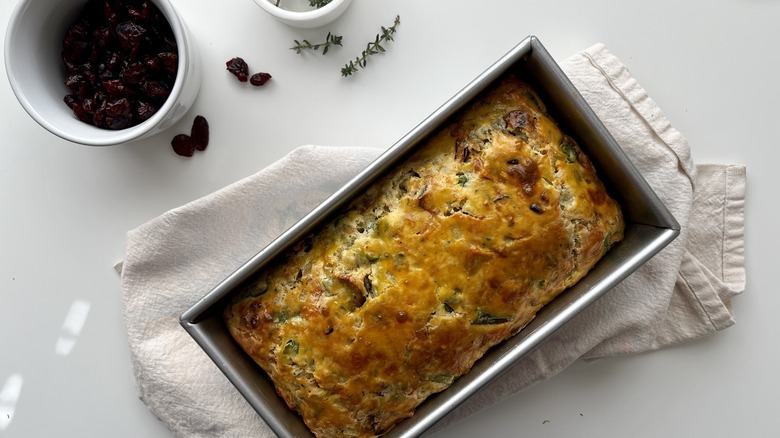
[453, 252]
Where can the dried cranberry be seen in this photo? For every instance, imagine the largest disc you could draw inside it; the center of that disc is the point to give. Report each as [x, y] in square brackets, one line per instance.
[99, 96]
[114, 54]
[170, 61]
[144, 111]
[153, 63]
[200, 133]
[112, 23]
[78, 84]
[114, 62]
[90, 105]
[133, 73]
[99, 118]
[183, 145]
[118, 113]
[129, 34]
[118, 108]
[141, 13]
[70, 67]
[169, 44]
[155, 89]
[70, 100]
[102, 37]
[108, 11]
[186, 145]
[104, 72]
[114, 87]
[76, 43]
[239, 68]
[259, 79]
[120, 122]
[82, 114]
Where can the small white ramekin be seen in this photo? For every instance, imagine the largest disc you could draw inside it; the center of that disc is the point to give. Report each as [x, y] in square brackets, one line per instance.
[305, 19]
[33, 62]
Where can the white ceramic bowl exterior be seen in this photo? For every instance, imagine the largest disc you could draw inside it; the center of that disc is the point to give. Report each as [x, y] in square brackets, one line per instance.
[306, 19]
[33, 62]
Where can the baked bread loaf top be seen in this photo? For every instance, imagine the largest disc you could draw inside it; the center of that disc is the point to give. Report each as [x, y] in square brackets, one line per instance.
[452, 252]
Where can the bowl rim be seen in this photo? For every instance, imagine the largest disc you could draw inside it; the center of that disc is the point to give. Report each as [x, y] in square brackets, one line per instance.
[111, 138]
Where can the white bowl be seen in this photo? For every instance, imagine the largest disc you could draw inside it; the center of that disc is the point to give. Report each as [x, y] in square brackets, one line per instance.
[304, 17]
[33, 45]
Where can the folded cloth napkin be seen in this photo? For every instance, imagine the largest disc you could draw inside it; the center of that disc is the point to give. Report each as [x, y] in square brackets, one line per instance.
[681, 294]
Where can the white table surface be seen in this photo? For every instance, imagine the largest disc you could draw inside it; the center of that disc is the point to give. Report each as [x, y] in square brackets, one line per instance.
[712, 66]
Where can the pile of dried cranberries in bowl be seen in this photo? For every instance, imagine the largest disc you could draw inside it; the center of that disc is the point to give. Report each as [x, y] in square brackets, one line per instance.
[120, 59]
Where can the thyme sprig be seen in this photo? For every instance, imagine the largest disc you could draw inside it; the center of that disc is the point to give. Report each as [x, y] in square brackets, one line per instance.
[330, 40]
[372, 48]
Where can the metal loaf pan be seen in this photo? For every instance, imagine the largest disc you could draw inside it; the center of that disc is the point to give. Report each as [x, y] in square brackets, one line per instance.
[650, 227]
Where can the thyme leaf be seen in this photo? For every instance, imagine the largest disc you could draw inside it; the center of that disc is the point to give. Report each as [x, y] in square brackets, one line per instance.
[372, 48]
[290, 348]
[485, 318]
[568, 149]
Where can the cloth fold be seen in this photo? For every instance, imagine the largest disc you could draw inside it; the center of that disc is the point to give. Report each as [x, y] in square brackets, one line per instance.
[681, 294]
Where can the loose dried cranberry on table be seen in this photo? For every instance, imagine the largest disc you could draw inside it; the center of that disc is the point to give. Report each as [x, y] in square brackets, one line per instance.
[259, 79]
[200, 133]
[186, 145]
[183, 145]
[238, 67]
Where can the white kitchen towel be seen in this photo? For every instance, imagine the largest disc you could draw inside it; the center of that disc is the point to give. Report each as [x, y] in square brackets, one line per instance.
[681, 294]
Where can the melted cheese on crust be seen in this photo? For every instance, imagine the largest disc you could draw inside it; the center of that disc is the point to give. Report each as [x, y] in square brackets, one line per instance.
[453, 252]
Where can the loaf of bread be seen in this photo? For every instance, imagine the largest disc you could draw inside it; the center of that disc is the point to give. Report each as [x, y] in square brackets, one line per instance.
[452, 252]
